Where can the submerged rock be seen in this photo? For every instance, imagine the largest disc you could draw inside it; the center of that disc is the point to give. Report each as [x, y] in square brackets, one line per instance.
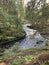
[40, 41]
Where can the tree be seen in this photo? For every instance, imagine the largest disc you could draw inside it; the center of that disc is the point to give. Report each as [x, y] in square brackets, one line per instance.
[10, 27]
[21, 12]
[37, 12]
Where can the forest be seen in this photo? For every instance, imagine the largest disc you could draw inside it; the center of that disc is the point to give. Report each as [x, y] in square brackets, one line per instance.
[24, 32]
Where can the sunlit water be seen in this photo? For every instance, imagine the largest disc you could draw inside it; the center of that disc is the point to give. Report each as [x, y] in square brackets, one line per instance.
[31, 39]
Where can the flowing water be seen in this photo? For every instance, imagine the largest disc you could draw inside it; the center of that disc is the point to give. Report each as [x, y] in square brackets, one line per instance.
[31, 39]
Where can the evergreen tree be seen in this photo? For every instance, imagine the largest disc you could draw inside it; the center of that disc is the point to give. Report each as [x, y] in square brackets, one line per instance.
[10, 27]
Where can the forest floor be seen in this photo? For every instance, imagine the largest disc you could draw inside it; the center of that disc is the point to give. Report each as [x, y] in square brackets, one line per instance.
[38, 56]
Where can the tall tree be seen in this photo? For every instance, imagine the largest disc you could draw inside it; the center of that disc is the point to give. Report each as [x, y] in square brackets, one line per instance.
[20, 4]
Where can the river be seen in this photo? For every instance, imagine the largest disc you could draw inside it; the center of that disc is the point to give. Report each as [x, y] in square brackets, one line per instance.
[31, 39]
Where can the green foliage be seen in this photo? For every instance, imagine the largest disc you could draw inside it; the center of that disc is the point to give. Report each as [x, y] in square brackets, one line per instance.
[9, 53]
[17, 62]
[10, 26]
